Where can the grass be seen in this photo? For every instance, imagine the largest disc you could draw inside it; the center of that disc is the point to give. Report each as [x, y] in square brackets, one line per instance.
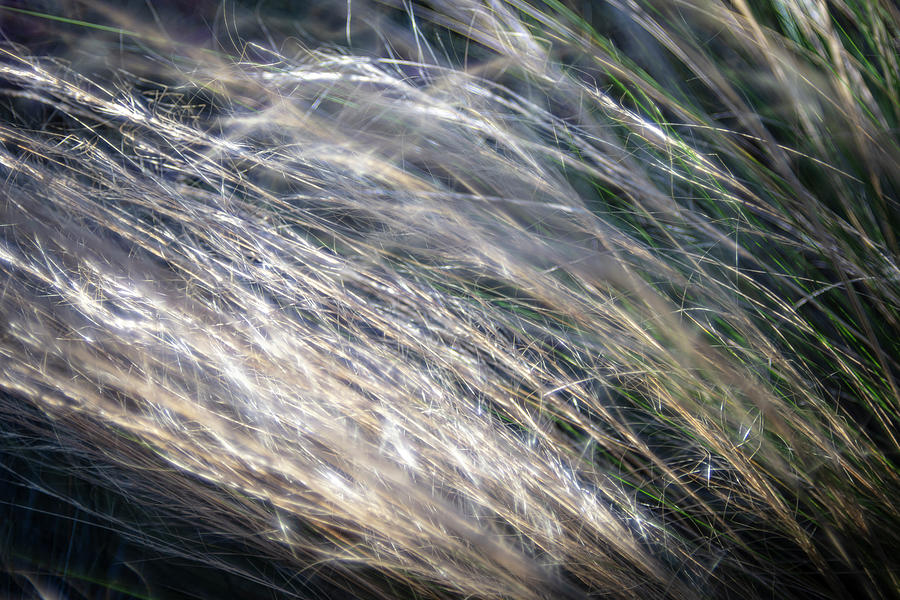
[458, 299]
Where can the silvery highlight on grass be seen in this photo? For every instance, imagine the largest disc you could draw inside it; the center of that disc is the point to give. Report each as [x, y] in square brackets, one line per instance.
[450, 299]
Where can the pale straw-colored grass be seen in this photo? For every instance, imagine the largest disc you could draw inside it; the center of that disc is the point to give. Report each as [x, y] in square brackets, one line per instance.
[503, 301]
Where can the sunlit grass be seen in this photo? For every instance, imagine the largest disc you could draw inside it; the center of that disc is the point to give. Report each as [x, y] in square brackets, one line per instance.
[466, 299]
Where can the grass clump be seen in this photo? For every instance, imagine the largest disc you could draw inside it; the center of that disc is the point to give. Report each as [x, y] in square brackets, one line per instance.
[501, 299]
